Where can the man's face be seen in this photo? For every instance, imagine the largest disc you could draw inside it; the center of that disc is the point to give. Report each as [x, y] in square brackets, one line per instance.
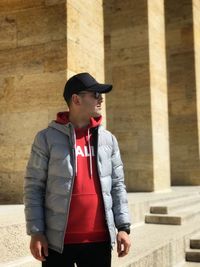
[91, 103]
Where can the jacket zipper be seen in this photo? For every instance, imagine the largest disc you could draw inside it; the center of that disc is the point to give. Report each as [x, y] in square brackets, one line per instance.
[68, 207]
[106, 217]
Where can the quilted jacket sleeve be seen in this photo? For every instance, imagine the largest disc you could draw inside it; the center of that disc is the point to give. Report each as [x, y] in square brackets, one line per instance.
[34, 185]
[119, 194]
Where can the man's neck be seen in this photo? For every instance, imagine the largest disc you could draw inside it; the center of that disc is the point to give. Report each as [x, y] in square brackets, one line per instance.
[78, 121]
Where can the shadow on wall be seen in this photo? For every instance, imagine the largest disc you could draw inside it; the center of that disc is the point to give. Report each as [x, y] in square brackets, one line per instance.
[182, 92]
[128, 106]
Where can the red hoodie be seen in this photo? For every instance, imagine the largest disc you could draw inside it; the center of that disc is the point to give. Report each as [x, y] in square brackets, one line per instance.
[86, 221]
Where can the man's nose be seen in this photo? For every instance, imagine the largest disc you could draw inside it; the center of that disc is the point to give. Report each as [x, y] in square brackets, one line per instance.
[100, 99]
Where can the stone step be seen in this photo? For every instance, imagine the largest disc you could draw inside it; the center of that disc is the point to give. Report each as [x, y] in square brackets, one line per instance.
[149, 241]
[27, 261]
[193, 255]
[139, 203]
[195, 242]
[163, 219]
[157, 245]
[188, 264]
[175, 218]
[168, 206]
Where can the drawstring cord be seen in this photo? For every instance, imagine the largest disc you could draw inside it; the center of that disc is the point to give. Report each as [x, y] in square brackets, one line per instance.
[75, 153]
[90, 152]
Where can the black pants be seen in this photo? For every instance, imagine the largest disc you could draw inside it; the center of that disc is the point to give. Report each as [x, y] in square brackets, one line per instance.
[84, 255]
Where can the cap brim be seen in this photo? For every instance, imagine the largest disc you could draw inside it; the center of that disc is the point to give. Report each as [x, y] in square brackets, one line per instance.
[101, 88]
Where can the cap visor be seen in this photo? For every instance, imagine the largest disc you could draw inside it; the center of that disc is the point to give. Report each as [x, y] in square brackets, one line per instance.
[101, 88]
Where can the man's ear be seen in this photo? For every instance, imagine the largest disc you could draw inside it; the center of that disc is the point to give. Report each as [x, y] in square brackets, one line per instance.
[75, 99]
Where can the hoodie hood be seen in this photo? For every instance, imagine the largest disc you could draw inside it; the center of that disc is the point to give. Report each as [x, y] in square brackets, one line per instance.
[63, 118]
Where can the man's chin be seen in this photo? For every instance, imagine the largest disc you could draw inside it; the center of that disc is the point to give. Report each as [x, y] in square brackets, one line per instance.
[96, 114]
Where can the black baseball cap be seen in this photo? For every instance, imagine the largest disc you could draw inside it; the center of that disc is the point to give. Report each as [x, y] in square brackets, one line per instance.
[84, 82]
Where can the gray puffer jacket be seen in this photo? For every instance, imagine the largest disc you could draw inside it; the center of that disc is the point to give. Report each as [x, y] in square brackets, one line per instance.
[49, 182]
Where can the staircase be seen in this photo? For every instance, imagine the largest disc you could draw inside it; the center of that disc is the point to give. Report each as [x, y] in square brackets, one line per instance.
[175, 211]
[193, 254]
[153, 244]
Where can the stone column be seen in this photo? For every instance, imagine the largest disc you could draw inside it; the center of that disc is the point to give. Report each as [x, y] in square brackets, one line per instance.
[85, 39]
[183, 85]
[196, 27]
[137, 109]
[42, 43]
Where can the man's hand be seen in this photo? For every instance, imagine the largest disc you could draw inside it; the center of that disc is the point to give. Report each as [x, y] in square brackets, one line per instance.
[123, 244]
[39, 247]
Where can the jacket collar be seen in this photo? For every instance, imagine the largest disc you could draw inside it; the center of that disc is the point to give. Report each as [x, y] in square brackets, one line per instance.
[66, 128]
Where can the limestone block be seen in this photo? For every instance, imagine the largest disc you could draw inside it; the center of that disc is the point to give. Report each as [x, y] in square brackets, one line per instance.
[131, 17]
[187, 36]
[22, 60]
[129, 37]
[178, 11]
[7, 158]
[194, 175]
[55, 56]
[91, 31]
[79, 59]
[73, 23]
[182, 106]
[8, 32]
[84, 33]
[54, 2]
[98, 72]
[183, 130]
[6, 91]
[126, 139]
[139, 180]
[140, 161]
[126, 83]
[126, 56]
[85, 37]
[41, 25]
[180, 177]
[11, 187]
[92, 10]
[135, 44]
[159, 105]
[22, 127]
[32, 92]
[196, 23]
[121, 6]
[13, 5]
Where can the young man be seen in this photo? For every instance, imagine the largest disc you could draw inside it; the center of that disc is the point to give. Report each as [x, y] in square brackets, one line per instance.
[74, 191]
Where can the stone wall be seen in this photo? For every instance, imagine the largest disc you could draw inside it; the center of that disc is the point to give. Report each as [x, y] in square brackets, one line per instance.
[182, 90]
[159, 97]
[44, 42]
[33, 64]
[137, 110]
[196, 27]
